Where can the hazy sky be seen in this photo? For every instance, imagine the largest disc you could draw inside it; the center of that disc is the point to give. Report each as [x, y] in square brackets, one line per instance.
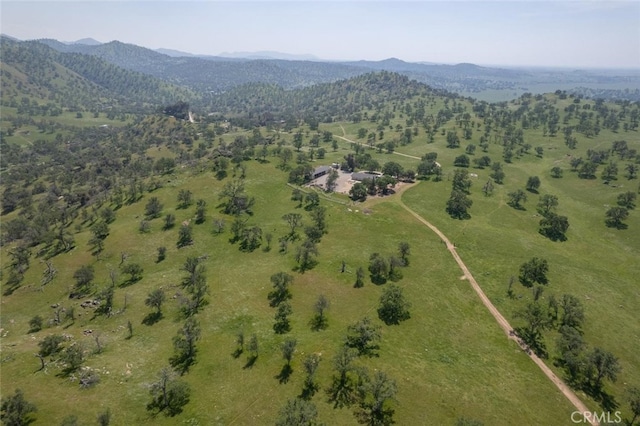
[573, 33]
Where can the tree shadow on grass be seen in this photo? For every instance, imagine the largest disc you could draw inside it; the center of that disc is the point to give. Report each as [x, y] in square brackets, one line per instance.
[152, 318]
[378, 279]
[341, 393]
[66, 372]
[553, 235]
[318, 323]
[130, 281]
[9, 289]
[285, 373]
[308, 391]
[12, 284]
[395, 275]
[533, 342]
[182, 363]
[302, 268]
[616, 224]
[250, 362]
[459, 215]
[607, 401]
[282, 326]
[237, 352]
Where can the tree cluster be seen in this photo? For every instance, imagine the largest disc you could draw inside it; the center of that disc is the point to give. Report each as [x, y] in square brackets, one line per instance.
[382, 269]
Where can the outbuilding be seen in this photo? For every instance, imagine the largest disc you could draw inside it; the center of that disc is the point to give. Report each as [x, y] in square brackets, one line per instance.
[320, 171]
[360, 176]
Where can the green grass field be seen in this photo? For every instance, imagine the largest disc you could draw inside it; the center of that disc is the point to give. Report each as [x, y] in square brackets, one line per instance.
[26, 135]
[450, 359]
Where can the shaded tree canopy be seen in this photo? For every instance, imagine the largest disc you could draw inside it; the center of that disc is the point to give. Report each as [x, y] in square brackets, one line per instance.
[615, 216]
[16, 410]
[554, 227]
[533, 183]
[376, 395]
[393, 307]
[169, 395]
[178, 110]
[363, 336]
[280, 292]
[534, 271]
[458, 205]
[379, 268]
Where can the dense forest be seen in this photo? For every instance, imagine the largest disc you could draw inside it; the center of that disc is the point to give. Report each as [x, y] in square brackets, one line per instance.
[135, 207]
[34, 72]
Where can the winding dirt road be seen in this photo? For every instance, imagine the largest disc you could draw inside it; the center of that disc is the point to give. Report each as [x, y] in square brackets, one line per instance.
[504, 324]
[502, 321]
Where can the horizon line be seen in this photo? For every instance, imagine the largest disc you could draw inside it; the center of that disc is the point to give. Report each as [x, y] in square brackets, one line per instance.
[317, 58]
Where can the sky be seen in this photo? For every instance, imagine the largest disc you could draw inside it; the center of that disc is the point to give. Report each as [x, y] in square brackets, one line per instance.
[569, 33]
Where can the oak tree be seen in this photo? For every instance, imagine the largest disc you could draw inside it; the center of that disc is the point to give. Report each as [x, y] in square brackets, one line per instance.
[393, 307]
[168, 394]
[364, 337]
[16, 410]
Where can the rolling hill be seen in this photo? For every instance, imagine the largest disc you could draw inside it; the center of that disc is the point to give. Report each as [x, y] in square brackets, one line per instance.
[153, 249]
[216, 73]
[73, 80]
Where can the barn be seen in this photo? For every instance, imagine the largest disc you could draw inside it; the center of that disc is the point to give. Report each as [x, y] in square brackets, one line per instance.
[320, 171]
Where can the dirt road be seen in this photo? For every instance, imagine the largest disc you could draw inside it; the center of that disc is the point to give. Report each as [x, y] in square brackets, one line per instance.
[397, 153]
[502, 321]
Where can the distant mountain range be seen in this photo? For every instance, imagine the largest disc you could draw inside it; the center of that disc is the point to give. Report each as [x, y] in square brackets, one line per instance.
[229, 55]
[269, 55]
[85, 41]
[213, 74]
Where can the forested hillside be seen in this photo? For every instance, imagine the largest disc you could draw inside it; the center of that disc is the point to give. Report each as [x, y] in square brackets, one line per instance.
[34, 76]
[206, 75]
[260, 104]
[218, 74]
[167, 267]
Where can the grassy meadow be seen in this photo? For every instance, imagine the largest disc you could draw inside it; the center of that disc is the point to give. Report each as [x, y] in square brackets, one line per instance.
[61, 124]
[449, 360]
[597, 264]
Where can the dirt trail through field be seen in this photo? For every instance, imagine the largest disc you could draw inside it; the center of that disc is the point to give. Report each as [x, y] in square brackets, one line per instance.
[394, 152]
[504, 324]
